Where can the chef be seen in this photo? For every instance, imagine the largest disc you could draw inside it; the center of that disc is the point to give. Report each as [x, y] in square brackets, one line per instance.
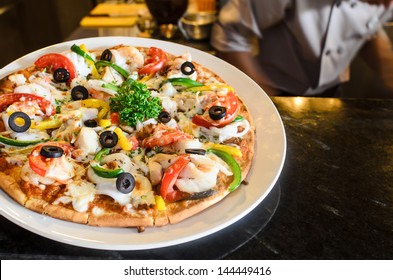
[304, 47]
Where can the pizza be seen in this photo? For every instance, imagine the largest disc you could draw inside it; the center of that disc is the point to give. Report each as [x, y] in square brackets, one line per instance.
[125, 136]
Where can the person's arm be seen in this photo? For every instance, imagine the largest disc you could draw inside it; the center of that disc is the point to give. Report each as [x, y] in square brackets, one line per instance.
[247, 63]
[378, 54]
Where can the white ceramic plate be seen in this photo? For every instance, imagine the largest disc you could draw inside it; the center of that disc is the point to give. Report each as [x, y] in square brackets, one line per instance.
[268, 162]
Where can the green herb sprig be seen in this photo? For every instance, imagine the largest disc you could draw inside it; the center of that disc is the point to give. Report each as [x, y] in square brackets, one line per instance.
[134, 103]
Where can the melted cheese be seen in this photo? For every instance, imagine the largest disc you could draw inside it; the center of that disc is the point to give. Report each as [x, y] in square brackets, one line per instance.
[108, 187]
[98, 211]
[142, 193]
[81, 193]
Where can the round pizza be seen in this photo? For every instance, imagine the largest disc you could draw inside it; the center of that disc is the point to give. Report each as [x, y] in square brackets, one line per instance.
[125, 136]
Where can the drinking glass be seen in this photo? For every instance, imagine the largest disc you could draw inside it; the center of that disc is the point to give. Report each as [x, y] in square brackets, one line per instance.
[167, 13]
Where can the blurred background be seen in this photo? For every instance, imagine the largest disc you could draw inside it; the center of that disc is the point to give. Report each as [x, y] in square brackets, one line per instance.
[28, 25]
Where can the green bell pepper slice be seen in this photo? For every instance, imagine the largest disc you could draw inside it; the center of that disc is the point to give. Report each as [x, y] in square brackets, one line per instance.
[111, 87]
[81, 52]
[184, 82]
[18, 143]
[119, 69]
[237, 173]
[238, 118]
[102, 171]
[106, 173]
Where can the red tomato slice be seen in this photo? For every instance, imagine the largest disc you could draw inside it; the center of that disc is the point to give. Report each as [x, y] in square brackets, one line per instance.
[167, 190]
[10, 98]
[230, 102]
[40, 164]
[155, 62]
[115, 118]
[55, 61]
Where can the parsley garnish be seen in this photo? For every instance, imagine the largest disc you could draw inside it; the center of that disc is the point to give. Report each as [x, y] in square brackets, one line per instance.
[134, 103]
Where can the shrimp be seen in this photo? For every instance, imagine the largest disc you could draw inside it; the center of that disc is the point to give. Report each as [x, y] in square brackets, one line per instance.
[29, 175]
[35, 89]
[200, 174]
[157, 164]
[31, 108]
[162, 135]
[61, 170]
[128, 57]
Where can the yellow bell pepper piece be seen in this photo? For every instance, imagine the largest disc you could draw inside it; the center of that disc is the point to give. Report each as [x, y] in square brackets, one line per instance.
[104, 123]
[123, 141]
[160, 203]
[233, 151]
[91, 64]
[48, 124]
[211, 87]
[146, 78]
[97, 103]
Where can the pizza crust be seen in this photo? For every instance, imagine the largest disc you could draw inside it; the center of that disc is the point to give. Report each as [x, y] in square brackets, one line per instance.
[12, 188]
[36, 204]
[120, 220]
[177, 213]
[161, 218]
[63, 213]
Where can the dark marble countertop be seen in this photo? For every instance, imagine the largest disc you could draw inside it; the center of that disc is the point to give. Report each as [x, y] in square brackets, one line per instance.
[333, 199]
[336, 184]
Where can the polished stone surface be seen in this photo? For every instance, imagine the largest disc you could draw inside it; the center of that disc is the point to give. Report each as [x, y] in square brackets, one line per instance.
[337, 183]
[333, 200]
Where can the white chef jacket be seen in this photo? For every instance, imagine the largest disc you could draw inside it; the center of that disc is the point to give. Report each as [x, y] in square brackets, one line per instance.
[303, 45]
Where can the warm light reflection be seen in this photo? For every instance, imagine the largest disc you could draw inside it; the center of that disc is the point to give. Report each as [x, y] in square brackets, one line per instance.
[329, 104]
[299, 101]
[300, 104]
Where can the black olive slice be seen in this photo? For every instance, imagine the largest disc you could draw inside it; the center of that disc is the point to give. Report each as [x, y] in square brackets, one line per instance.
[217, 112]
[61, 75]
[164, 117]
[13, 122]
[79, 93]
[50, 151]
[125, 182]
[106, 55]
[187, 68]
[90, 123]
[108, 139]
[196, 151]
